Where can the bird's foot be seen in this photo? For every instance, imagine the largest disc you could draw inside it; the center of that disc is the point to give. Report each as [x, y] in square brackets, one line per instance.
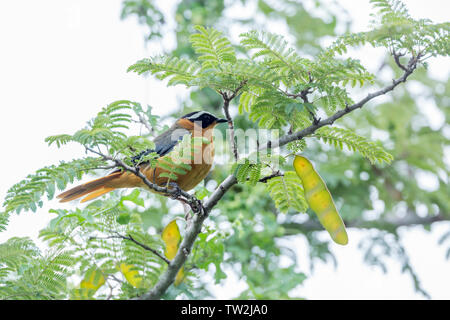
[187, 213]
[175, 190]
[195, 204]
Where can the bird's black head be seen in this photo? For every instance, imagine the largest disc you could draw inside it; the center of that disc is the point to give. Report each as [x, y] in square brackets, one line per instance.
[203, 117]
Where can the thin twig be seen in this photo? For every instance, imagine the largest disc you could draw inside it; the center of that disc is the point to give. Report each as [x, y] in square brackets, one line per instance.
[226, 106]
[274, 175]
[98, 168]
[130, 238]
[115, 278]
[145, 123]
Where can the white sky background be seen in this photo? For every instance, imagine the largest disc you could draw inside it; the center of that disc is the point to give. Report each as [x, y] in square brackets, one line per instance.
[61, 61]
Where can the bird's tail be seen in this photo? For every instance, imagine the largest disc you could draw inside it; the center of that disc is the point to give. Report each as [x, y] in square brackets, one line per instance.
[93, 189]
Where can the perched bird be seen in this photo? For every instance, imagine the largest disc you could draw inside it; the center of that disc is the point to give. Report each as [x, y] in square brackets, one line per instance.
[194, 124]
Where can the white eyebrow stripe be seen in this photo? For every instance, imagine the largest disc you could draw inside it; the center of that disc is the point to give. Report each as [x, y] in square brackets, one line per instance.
[198, 115]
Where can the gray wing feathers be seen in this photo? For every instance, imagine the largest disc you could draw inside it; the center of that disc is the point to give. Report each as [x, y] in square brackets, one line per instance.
[165, 142]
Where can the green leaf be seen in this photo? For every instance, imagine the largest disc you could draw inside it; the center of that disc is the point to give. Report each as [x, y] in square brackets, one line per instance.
[133, 197]
[124, 218]
[213, 48]
[368, 149]
[287, 192]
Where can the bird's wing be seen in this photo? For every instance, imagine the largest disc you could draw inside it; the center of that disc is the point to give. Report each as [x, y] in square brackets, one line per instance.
[164, 143]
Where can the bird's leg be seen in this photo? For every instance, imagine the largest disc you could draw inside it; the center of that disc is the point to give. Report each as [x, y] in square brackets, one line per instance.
[187, 213]
[176, 193]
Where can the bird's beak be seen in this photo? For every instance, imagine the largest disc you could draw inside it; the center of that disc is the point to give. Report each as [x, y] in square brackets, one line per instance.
[221, 120]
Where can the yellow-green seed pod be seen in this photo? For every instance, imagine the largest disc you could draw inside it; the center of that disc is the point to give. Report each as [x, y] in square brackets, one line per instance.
[319, 200]
[172, 238]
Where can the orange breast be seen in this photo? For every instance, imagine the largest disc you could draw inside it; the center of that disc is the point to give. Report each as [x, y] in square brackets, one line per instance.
[200, 162]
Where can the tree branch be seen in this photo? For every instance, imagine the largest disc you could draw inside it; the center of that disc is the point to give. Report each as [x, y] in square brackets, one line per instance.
[397, 57]
[330, 120]
[190, 236]
[195, 227]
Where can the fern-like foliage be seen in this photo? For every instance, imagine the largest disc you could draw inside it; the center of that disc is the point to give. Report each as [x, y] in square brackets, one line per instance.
[296, 70]
[16, 251]
[278, 54]
[26, 273]
[214, 49]
[102, 129]
[4, 219]
[334, 98]
[279, 88]
[177, 70]
[248, 172]
[342, 43]
[252, 168]
[333, 71]
[338, 137]
[107, 129]
[270, 109]
[28, 193]
[254, 73]
[287, 192]
[96, 233]
[277, 77]
[394, 28]
[272, 106]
